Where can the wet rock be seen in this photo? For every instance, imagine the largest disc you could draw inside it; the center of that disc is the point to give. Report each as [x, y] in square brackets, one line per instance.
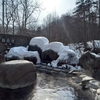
[17, 74]
[48, 56]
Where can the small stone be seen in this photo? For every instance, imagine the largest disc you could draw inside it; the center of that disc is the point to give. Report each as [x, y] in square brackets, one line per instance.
[87, 78]
[82, 76]
[98, 91]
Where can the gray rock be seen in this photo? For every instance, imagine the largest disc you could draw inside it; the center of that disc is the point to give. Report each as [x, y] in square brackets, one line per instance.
[48, 56]
[90, 61]
[17, 74]
[87, 60]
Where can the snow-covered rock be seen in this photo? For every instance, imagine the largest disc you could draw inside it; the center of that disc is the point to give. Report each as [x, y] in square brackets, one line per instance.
[49, 55]
[66, 56]
[17, 51]
[37, 44]
[51, 51]
[22, 52]
[39, 41]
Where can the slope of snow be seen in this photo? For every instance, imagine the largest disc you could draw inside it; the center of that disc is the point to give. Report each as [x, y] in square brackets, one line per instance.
[22, 52]
[39, 41]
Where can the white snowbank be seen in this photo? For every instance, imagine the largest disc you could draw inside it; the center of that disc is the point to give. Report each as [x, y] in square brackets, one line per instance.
[39, 41]
[22, 52]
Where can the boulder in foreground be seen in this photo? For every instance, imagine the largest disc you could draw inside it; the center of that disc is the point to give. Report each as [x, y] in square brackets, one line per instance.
[17, 74]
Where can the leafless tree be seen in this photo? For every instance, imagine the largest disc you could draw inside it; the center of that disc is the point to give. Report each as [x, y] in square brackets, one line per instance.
[21, 14]
[26, 13]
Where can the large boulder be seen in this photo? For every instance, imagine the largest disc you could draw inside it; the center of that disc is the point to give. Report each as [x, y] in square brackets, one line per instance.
[49, 55]
[66, 56]
[90, 60]
[20, 52]
[37, 44]
[17, 74]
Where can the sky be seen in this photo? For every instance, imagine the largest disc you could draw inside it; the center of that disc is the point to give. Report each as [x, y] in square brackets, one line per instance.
[59, 6]
[49, 6]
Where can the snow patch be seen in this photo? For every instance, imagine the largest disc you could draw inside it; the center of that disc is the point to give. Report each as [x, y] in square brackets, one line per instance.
[55, 46]
[22, 52]
[39, 41]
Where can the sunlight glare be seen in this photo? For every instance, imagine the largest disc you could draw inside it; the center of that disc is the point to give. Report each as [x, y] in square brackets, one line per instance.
[50, 5]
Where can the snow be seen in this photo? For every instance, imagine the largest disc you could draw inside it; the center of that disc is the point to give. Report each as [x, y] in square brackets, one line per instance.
[17, 51]
[66, 55]
[56, 93]
[22, 52]
[96, 56]
[90, 45]
[71, 68]
[39, 41]
[55, 46]
[95, 43]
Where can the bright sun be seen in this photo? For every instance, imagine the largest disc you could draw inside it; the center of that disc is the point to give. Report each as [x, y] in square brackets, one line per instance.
[50, 4]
